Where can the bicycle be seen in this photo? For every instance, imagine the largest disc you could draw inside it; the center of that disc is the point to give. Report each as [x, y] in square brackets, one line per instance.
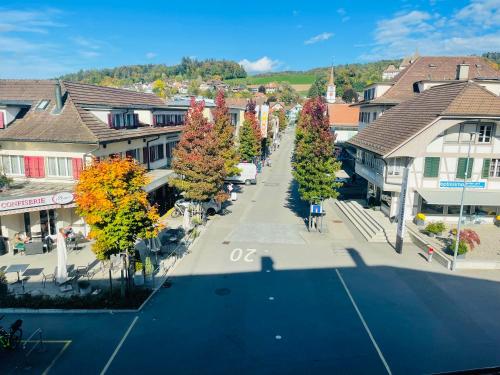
[10, 340]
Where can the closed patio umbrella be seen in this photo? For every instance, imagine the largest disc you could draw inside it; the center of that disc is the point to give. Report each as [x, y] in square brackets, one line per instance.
[186, 223]
[62, 258]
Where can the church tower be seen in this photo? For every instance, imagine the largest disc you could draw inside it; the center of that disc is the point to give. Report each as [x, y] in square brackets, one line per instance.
[330, 90]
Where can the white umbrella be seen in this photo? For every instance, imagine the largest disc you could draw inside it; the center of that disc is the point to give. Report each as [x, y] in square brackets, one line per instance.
[186, 223]
[62, 259]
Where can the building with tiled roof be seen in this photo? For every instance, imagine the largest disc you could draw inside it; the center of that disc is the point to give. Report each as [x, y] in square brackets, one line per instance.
[343, 120]
[430, 134]
[378, 97]
[49, 131]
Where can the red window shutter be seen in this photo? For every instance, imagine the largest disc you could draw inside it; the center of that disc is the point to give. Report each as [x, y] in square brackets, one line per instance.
[145, 155]
[39, 164]
[154, 120]
[77, 167]
[136, 119]
[2, 121]
[110, 120]
[27, 166]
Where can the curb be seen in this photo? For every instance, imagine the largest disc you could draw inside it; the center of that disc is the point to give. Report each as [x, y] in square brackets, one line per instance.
[165, 277]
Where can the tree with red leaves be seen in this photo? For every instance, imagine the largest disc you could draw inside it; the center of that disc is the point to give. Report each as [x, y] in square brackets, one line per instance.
[224, 133]
[314, 165]
[250, 135]
[197, 161]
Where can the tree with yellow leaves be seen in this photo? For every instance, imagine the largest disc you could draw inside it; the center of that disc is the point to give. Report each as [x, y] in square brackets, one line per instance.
[110, 196]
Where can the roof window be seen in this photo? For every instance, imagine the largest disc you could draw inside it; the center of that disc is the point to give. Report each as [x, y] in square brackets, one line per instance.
[432, 66]
[42, 105]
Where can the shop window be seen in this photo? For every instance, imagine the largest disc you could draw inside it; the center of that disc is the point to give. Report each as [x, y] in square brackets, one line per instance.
[431, 209]
[487, 210]
[59, 167]
[13, 164]
[156, 152]
[27, 223]
[431, 167]
[461, 165]
[455, 210]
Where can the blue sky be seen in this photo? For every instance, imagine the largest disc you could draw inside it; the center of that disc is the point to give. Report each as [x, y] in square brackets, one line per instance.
[46, 39]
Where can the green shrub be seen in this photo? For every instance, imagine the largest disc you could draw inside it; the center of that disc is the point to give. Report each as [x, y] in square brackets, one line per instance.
[138, 266]
[148, 266]
[196, 220]
[462, 247]
[435, 227]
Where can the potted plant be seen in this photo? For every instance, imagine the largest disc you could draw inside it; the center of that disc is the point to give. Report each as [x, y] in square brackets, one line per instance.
[138, 276]
[497, 220]
[5, 182]
[84, 287]
[435, 228]
[420, 219]
[149, 269]
[468, 241]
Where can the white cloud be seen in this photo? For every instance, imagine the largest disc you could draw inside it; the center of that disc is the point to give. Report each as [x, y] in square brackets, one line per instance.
[151, 55]
[319, 38]
[262, 65]
[341, 11]
[472, 29]
[30, 21]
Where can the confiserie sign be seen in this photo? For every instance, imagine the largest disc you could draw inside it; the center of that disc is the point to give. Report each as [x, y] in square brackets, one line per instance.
[44, 200]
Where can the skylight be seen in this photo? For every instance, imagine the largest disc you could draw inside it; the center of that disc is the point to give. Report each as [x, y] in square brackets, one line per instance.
[43, 104]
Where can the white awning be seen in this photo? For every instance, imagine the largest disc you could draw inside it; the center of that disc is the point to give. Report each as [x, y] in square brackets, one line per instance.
[451, 197]
[38, 208]
[158, 178]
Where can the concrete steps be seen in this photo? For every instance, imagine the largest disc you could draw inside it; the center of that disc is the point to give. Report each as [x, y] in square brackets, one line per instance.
[374, 226]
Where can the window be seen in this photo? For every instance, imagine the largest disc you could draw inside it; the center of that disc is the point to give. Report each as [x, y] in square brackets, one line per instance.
[59, 167]
[234, 118]
[431, 209]
[27, 223]
[485, 132]
[156, 152]
[13, 164]
[122, 120]
[42, 105]
[169, 119]
[395, 166]
[491, 168]
[461, 165]
[431, 167]
[134, 154]
[170, 148]
[487, 210]
[374, 116]
[455, 210]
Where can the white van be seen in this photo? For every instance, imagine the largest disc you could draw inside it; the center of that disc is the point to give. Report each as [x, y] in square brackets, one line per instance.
[247, 176]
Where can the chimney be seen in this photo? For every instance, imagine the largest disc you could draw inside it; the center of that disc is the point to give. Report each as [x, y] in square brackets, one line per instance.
[463, 72]
[58, 97]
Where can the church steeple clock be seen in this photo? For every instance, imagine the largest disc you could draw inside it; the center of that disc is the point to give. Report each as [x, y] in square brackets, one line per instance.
[331, 90]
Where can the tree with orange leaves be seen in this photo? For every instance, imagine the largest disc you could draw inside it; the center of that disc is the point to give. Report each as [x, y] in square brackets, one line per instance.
[110, 196]
[224, 133]
[250, 135]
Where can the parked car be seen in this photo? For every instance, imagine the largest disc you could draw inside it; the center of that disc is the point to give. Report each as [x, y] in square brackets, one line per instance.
[247, 176]
[211, 207]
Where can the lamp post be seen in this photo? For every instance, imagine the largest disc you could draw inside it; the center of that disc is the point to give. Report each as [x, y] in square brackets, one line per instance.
[457, 239]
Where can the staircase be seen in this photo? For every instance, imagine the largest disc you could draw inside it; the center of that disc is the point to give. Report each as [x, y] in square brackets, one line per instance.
[373, 225]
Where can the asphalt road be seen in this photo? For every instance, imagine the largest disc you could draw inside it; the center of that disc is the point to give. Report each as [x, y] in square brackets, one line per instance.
[261, 295]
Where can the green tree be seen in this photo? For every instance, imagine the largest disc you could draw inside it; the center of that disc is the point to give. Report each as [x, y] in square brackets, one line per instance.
[250, 137]
[350, 95]
[197, 161]
[282, 119]
[287, 94]
[318, 88]
[224, 133]
[111, 198]
[314, 165]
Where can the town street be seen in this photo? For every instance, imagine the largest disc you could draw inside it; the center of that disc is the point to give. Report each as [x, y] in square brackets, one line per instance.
[260, 295]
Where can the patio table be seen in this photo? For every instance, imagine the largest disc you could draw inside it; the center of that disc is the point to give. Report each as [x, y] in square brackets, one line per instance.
[33, 272]
[19, 268]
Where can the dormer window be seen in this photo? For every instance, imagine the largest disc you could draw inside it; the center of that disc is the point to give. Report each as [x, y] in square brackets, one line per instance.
[42, 105]
[123, 120]
[369, 94]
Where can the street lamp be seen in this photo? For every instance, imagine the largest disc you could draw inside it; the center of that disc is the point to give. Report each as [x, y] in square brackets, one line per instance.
[457, 239]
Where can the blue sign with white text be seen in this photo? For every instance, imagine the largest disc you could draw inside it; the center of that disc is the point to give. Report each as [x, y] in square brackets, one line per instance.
[315, 208]
[460, 184]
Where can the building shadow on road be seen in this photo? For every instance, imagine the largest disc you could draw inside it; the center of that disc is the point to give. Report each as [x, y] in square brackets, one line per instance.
[274, 320]
[295, 204]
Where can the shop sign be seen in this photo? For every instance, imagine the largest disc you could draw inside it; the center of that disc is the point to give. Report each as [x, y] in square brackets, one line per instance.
[44, 200]
[460, 184]
[264, 114]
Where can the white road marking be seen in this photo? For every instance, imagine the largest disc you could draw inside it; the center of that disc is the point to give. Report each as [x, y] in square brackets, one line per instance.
[364, 323]
[119, 346]
[57, 356]
[271, 298]
[278, 337]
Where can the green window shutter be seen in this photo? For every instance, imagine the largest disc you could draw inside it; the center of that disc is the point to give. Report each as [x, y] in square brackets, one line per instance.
[431, 167]
[462, 162]
[485, 173]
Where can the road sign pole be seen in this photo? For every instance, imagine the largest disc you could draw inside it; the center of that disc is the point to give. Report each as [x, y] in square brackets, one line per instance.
[402, 211]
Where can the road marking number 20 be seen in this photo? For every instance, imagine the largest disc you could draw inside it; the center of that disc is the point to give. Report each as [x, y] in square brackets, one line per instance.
[238, 254]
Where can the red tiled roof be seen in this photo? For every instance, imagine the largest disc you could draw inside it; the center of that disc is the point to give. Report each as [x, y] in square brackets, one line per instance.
[343, 114]
[402, 122]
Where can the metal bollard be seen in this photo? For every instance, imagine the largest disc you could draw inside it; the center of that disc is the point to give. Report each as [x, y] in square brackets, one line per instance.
[430, 252]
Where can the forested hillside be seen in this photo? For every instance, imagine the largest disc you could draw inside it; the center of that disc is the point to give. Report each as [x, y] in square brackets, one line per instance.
[187, 69]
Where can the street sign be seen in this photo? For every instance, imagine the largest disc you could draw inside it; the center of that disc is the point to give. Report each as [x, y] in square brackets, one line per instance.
[460, 184]
[316, 209]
